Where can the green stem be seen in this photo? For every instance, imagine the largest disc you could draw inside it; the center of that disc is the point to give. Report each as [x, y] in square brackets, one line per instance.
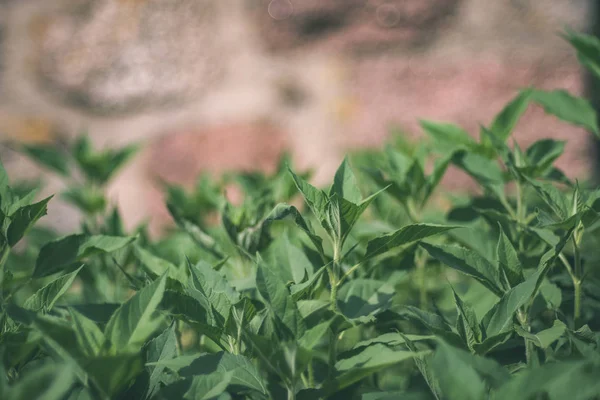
[577, 306]
[332, 353]
[333, 271]
[3, 258]
[422, 279]
[530, 352]
[291, 395]
[311, 375]
[578, 273]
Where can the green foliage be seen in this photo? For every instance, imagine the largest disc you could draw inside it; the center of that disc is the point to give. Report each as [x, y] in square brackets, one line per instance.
[389, 296]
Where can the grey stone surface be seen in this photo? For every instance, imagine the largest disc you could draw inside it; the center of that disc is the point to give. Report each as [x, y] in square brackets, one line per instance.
[117, 56]
[352, 25]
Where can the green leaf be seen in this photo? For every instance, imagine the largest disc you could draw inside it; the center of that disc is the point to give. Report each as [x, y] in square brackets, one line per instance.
[508, 260]
[393, 339]
[315, 198]
[101, 166]
[588, 49]
[63, 253]
[542, 154]
[245, 372]
[163, 347]
[114, 373]
[277, 296]
[46, 297]
[545, 338]
[156, 266]
[574, 380]
[49, 157]
[87, 199]
[89, 337]
[23, 219]
[465, 376]
[499, 319]
[313, 336]
[214, 287]
[135, 320]
[467, 324]
[342, 215]
[284, 211]
[202, 387]
[403, 236]
[448, 136]
[469, 263]
[566, 107]
[345, 185]
[293, 263]
[49, 382]
[362, 299]
[505, 122]
[366, 362]
[433, 322]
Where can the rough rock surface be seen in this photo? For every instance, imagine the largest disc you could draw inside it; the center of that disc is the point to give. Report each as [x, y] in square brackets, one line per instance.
[352, 25]
[116, 56]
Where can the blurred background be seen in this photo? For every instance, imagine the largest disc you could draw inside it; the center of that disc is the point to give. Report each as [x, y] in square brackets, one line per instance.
[209, 85]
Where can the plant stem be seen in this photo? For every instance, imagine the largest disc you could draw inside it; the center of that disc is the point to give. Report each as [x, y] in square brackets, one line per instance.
[529, 345]
[577, 306]
[3, 259]
[332, 352]
[577, 284]
[291, 395]
[421, 260]
[333, 271]
[311, 375]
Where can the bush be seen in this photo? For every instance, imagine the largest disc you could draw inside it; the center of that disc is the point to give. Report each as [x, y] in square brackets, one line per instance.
[495, 297]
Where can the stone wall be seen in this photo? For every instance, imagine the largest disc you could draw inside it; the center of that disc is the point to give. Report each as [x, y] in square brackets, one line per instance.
[213, 85]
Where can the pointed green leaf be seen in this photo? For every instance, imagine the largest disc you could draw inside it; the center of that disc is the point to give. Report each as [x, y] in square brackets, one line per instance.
[46, 297]
[500, 318]
[467, 324]
[114, 373]
[49, 157]
[568, 108]
[545, 338]
[313, 336]
[509, 260]
[345, 185]
[469, 263]
[89, 337]
[505, 122]
[49, 382]
[448, 136]
[215, 287]
[403, 236]
[201, 387]
[462, 375]
[157, 266]
[283, 211]
[163, 347]
[23, 219]
[315, 198]
[588, 50]
[245, 372]
[366, 362]
[277, 296]
[62, 253]
[88, 199]
[135, 320]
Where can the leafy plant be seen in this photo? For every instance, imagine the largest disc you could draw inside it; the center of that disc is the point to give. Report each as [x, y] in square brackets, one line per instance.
[371, 292]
